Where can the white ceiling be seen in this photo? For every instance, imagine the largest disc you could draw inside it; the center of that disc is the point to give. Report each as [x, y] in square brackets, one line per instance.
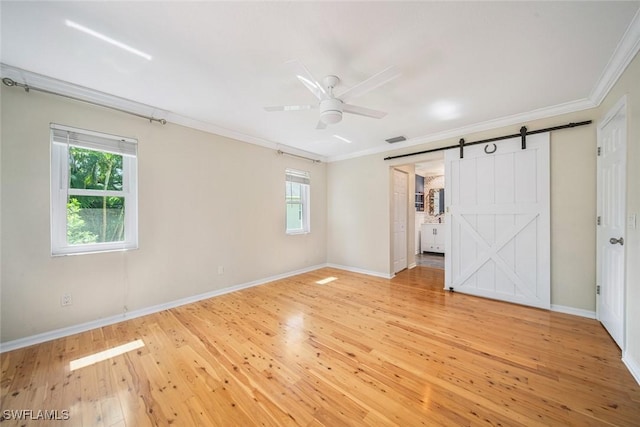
[220, 63]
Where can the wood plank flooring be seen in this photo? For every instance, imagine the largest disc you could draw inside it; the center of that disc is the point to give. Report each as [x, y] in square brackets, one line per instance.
[355, 351]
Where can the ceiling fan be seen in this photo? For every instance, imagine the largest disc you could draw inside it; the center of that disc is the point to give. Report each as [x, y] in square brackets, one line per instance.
[332, 106]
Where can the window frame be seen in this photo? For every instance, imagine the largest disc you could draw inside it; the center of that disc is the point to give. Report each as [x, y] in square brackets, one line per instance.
[303, 179]
[60, 187]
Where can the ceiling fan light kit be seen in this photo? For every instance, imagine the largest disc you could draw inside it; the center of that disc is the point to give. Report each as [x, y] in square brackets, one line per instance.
[331, 106]
[330, 111]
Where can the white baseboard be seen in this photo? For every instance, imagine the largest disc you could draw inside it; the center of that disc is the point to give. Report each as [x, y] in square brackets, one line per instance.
[575, 311]
[106, 321]
[361, 271]
[632, 365]
[412, 265]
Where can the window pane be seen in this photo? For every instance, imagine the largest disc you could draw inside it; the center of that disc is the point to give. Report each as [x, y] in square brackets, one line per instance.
[293, 190]
[294, 216]
[297, 200]
[94, 170]
[94, 219]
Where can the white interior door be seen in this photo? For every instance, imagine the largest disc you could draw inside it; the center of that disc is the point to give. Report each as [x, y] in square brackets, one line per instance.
[612, 144]
[497, 221]
[400, 181]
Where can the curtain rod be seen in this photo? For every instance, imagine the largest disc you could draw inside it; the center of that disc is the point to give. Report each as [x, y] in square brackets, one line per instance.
[11, 83]
[497, 138]
[284, 153]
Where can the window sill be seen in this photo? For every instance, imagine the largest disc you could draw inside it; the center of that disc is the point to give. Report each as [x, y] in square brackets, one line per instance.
[63, 252]
[295, 233]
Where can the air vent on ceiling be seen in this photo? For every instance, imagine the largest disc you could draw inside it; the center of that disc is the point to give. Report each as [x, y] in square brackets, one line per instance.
[396, 139]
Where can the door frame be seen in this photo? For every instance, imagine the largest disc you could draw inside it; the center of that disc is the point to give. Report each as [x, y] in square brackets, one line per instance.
[621, 104]
[408, 244]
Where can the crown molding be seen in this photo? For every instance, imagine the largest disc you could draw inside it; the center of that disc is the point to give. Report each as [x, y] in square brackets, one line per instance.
[239, 136]
[515, 119]
[38, 81]
[626, 50]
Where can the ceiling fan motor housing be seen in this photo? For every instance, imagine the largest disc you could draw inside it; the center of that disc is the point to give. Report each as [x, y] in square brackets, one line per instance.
[331, 110]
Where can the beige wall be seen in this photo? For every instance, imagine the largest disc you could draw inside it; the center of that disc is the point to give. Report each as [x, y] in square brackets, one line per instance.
[204, 201]
[629, 85]
[358, 202]
[207, 200]
[573, 205]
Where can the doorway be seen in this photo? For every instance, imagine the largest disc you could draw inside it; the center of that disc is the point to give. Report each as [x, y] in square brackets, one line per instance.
[611, 201]
[417, 210]
[429, 212]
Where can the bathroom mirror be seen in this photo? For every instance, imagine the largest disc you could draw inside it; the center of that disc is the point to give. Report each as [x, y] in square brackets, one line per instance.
[436, 201]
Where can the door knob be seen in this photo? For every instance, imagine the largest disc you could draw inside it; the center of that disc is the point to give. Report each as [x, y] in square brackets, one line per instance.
[613, 241]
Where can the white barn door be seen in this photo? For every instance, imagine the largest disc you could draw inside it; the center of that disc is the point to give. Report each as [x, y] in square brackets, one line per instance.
[497, 221]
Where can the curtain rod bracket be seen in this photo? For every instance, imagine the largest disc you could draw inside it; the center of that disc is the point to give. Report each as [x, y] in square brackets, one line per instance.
[10, 82]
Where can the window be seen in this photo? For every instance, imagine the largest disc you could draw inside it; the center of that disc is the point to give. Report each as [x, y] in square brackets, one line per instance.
[94, 190]
[297, 191]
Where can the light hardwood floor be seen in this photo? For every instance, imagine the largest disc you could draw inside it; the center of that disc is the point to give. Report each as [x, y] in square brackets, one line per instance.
[356, 351]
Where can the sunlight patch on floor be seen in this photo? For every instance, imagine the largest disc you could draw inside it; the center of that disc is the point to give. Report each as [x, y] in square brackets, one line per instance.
[104, 355]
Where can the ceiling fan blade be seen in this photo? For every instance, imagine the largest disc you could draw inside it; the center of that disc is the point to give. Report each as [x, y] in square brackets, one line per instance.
[307, 79]
[371, 83]
[362, 111]
[290, 107]
[321, 125]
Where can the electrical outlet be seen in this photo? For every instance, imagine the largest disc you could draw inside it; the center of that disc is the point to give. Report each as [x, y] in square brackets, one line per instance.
[65, 300]
[220, 269]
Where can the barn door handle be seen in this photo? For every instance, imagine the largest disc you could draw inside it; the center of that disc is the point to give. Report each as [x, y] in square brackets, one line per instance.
[613, 241]
[486, 149]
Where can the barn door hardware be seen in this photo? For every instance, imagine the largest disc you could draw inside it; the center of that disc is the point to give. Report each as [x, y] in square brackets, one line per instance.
[495, 147]
[522, 134]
